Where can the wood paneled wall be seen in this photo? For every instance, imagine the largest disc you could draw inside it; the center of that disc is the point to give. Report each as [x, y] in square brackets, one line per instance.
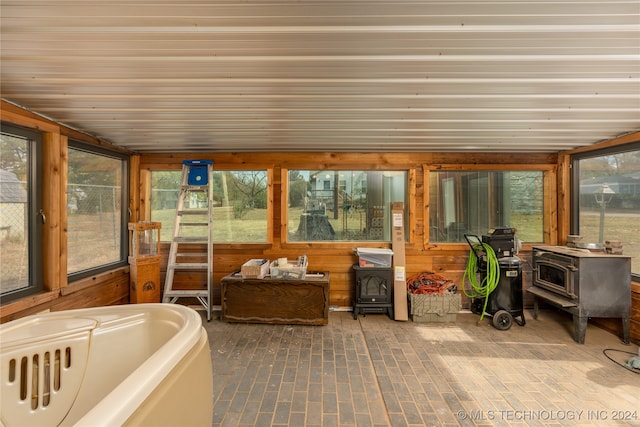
[338, 257]
[449, 259]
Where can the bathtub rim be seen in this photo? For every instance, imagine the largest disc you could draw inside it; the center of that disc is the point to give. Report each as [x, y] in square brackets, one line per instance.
[145, 378]
[122, 401]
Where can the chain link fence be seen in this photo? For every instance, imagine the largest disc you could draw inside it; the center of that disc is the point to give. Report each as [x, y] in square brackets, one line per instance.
[94, 218]
[93, 225]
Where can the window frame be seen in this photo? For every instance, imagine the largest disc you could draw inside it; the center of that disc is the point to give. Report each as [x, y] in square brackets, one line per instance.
[549, 211]
[409, 208]
[217, 168]
[124, 209]
[34, 213]
[575, 158]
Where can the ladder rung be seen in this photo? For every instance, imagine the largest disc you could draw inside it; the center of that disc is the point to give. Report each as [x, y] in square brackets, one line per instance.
[186, 293]
[195, 224]
[200, 307]
[193, 212]
[188, 266]
[195, 188]
[191, 254]
[180, 239]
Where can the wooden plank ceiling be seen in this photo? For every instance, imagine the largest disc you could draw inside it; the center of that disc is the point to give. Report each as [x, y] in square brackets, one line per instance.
[328, 75]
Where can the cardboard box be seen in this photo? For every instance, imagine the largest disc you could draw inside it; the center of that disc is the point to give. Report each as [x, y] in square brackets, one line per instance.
[255, 269]
[434, 308]
[400, 310]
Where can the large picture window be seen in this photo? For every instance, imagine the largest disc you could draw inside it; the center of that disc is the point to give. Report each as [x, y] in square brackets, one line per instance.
[239, 204]
[473, 202]
[20, 207]
[97, 202]
[606, 198]
[342, 205]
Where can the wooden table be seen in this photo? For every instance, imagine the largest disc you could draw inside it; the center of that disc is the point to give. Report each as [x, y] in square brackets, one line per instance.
[279, 301]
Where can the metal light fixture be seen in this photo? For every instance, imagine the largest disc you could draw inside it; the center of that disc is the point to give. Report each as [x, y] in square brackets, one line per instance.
[603, 197]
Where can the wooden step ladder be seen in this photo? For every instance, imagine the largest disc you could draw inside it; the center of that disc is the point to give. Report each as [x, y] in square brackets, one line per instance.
[192, 229]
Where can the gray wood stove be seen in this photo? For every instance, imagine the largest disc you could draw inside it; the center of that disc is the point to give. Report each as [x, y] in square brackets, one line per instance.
[583, 283]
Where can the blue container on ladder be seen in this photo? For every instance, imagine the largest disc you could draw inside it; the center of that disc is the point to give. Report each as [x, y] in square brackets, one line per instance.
[197, 171]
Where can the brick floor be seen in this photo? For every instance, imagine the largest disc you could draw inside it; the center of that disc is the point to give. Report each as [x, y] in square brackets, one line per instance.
[378, 372]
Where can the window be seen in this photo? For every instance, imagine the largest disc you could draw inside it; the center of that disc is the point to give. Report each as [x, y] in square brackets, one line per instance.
[606, 198]
[341, 205]
[97, 202]
[239, 204]
[20, 204]
[473, 202]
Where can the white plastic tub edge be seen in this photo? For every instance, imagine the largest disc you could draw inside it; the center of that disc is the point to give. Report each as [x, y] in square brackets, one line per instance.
[156, 340]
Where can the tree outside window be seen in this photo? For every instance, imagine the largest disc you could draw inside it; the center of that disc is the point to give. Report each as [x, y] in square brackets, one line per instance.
[239, 204]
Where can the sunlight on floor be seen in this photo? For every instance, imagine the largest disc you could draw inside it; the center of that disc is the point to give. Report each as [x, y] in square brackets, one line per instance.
[440, 333]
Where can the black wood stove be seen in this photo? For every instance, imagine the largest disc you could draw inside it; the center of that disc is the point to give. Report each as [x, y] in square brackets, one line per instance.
[374, 290]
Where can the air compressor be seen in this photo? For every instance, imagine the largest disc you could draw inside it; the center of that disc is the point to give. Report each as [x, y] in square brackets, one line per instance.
[499, 292]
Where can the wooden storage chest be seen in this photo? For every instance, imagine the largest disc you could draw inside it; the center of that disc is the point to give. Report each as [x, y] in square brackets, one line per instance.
[281, 301]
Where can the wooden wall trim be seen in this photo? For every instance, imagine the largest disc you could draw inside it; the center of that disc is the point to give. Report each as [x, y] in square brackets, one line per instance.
[144, 190]
[550, 207]
[271, 221]
[620, 140]
[426, 200]
[16, 307]
[410, 207]
[348, 160]
[489, 167]
[135, 174]
[564, 198]
[52, 210]
[64, 212]
[20, 117]
[88, 282]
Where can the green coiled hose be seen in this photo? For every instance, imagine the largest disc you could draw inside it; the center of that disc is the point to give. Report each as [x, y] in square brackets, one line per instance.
[489, 282]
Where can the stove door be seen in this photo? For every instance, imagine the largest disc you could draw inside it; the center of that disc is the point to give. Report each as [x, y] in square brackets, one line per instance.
[374, 286]
[555, 275]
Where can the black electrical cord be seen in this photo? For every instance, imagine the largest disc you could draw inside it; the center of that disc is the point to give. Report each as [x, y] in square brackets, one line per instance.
[634, 370]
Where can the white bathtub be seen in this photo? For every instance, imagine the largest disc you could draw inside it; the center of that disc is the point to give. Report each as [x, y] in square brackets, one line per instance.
[142, 365]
